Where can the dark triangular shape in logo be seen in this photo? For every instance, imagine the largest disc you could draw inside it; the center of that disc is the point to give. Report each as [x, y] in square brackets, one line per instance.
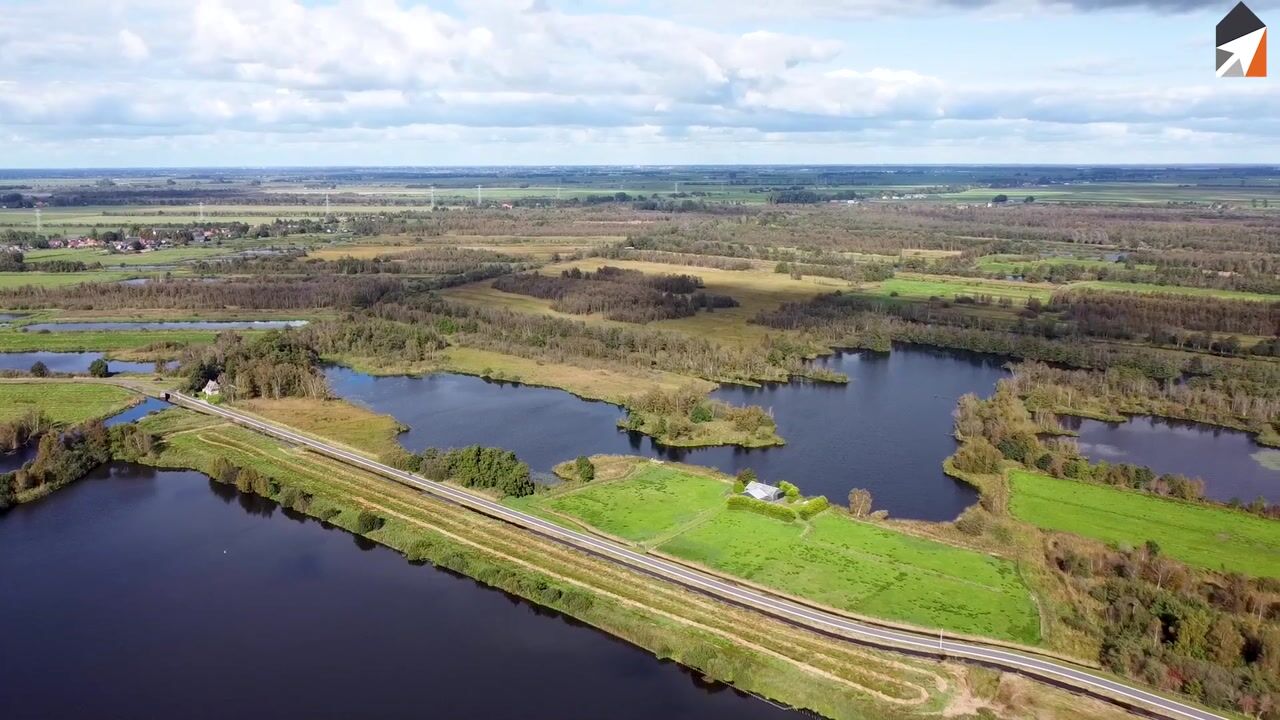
[1239, 22]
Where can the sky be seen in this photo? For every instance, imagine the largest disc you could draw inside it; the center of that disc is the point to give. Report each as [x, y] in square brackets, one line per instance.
[204, 83]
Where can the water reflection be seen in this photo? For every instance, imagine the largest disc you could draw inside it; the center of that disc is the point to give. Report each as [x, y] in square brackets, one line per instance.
[1231, 463]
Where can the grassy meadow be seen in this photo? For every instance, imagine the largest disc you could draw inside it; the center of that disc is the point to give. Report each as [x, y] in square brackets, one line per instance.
[832, 559]
[914, 286]
[101, 340]
[1201, 535]
[65, 403]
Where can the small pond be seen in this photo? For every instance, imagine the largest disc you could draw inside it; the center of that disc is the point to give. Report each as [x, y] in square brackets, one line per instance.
[888, 430]
[174, 325]
[163, 594]
[1231, 463]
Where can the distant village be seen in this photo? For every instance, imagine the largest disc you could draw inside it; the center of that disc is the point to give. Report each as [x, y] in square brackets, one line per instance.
[119, 242]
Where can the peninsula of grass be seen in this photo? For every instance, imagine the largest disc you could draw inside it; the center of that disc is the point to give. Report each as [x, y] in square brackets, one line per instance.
[65, 403]
[1214, 538]
[334, 420]
[832, 559]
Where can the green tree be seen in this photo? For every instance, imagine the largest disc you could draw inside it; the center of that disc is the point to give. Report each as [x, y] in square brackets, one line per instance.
[586, 470]
[39, 369]
[98, 368]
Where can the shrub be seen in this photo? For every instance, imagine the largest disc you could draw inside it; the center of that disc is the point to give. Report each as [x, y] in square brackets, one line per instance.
[98, 368]
[586, 470]
[812, 507]
[701, 413]
[39, 369]
[367, 522]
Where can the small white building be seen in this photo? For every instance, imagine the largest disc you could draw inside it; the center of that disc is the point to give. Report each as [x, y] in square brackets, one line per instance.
[760, 491]
[211, 389]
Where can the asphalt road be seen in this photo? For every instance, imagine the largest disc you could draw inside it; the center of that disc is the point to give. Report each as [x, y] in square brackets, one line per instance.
[1054, 671]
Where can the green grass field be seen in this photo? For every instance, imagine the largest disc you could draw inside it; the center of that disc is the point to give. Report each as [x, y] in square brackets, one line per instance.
[921, 287]
[102, 340]
[831, 559]
[653, 500]
[66, 403]
[43, 279]
[1174, 290]
[1201, 535]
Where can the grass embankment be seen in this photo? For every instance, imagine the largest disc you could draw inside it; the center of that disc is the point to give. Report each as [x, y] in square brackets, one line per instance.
[831, 559]
[65, 403]
[725, 642]
[1210, 537]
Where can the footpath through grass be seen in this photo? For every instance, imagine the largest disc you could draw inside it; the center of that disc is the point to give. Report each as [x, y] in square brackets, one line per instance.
[1210, 537]
[832, 559]
[66, 403]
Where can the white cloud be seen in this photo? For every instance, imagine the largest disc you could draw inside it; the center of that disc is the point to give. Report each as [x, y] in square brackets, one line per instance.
[132, 47]
[346, 72]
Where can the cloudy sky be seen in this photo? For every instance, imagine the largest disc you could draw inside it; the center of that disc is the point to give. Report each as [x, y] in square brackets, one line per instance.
[486, 82]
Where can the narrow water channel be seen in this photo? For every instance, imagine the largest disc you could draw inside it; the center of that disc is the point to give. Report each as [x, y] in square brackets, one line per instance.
[167, 595]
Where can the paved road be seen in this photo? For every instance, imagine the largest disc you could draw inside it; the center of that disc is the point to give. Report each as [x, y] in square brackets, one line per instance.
[1054, 671]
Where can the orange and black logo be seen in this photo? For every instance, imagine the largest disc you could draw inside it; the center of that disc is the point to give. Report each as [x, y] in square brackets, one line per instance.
[1242, 44]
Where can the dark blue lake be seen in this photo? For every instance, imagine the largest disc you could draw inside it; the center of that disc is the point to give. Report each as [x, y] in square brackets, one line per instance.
[141, 593]
[888, 430]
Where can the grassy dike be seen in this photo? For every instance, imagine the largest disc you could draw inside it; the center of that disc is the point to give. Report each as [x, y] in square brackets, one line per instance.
[754, 653]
